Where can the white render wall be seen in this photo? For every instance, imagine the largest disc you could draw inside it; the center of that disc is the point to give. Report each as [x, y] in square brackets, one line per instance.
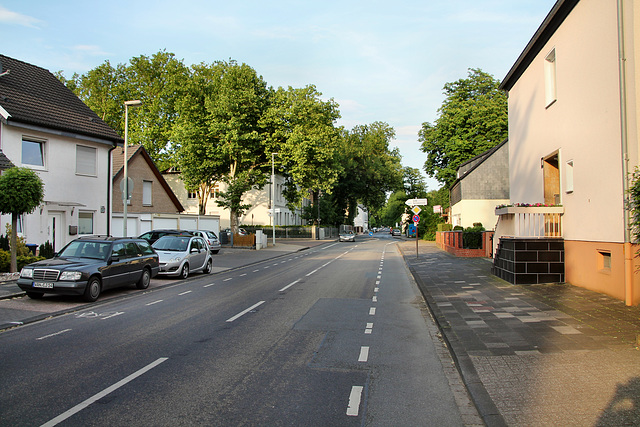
[583, 125]
[66, 193]
[467, 212]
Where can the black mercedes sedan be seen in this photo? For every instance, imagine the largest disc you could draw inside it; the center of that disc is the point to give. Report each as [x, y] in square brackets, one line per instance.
[89, 265]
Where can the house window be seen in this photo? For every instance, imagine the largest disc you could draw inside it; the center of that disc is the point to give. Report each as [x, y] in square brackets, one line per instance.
[85, 160]
[569, 177]
[604, 261]
[147, 186]
[85, 222]
[192, 195]
[550, 78]
[33, 153]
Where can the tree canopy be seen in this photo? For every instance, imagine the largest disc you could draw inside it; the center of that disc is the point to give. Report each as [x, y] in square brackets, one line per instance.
[472, 119]
[21, 191]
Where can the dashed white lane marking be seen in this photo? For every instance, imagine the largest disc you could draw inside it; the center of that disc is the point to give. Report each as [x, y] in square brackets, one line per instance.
[376, 289]
[354, 401]
[184, 293]
[227, 279]
[155, 302]
[364, 354]
[312, 272]
[372, 311]
[255, 271]
[369, 328]
[242, 313]
[210, 284]
[102, 394]
[118, 313]
[374, 299]
[53, 335]
[289, 285]
[243, 274]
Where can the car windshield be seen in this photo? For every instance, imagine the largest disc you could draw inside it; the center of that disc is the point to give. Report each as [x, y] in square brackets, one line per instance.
[81, 249]
[172, 243]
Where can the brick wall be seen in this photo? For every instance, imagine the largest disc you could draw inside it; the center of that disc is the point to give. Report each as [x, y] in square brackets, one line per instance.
[451, 241]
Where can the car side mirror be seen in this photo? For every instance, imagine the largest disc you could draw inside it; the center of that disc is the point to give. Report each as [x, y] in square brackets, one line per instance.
[194, 250]
[113, 259]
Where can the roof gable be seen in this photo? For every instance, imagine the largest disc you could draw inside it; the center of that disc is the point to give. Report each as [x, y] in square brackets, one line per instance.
[32, 95]
[139, 150]
[551, 23]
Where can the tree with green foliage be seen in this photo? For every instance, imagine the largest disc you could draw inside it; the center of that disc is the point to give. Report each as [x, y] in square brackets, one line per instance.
[158, 81]
[21, 191]
[218, 134]
[472, 119]
[301, 129]
[371, 169]
[414, 185]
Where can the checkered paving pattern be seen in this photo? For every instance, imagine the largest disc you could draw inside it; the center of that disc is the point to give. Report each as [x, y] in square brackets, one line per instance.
[492, 317]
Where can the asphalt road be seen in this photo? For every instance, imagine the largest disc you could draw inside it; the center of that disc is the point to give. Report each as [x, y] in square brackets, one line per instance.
[335, 335]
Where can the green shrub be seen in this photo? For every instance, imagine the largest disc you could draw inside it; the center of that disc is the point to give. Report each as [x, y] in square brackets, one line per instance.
[472, 236]
[444, 227]
[46, 250]
[4, 242]
[5, 261]
[24, 260]
[458, 228]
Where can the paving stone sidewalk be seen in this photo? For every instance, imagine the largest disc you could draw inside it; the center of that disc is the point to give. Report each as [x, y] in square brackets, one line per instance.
[542, 355]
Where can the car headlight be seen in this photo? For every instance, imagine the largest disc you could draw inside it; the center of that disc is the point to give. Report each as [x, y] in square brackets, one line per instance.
[176, 259]
[70, 275]
[27, 273]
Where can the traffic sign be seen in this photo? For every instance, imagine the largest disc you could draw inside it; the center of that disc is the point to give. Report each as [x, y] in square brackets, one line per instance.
[416, 219]
[416, 202]
[416, 210]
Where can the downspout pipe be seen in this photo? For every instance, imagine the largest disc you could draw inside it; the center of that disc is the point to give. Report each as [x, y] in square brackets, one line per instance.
[628, 250]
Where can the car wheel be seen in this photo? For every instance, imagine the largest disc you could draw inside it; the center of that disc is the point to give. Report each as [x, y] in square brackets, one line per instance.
[209, 267]
[144, 281]
[184, 273]
[92, 291]
[35, 295]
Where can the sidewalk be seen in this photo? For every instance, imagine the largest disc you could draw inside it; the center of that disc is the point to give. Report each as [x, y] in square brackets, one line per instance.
[533, 355]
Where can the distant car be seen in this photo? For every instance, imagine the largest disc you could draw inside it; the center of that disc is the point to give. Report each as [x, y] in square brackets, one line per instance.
[182, 254]
[396, 232]
[347, 236]
[89, 265]
[153, 235]
[210, 237]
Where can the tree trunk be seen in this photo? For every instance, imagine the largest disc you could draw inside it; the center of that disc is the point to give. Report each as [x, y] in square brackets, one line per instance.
[14, 243]
[233, 220]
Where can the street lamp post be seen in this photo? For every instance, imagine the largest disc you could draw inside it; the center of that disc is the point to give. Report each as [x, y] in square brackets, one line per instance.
[125, 193]
[273, 196]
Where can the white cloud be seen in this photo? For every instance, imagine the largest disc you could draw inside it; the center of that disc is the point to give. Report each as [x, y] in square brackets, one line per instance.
[10, 17]
[91, 50]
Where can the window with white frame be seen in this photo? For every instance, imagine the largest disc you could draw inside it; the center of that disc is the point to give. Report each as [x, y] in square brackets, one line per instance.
[33, 153]
[85, 222]
[568, 186]
[147, 187]
[85, 160]
[550, 85]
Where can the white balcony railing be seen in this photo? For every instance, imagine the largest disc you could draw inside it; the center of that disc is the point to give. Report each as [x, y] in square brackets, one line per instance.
[530, 221]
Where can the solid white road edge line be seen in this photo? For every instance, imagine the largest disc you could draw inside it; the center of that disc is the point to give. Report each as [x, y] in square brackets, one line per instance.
[354, 401]
[102, 394]
[53, 335]
[242, 313]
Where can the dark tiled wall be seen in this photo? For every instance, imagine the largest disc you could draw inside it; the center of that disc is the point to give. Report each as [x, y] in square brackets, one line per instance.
[530, 261]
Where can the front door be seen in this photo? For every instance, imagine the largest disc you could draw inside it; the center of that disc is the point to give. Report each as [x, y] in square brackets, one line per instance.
[54, 231]
[551, 169]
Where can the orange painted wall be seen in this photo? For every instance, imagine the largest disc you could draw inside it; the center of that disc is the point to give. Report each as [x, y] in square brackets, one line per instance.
[583, 268]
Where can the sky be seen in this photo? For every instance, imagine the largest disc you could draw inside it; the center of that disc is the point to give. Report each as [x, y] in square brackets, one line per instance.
[379, 61]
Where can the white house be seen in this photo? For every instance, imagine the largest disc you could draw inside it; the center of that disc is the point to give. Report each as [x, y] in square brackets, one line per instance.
[45, 127]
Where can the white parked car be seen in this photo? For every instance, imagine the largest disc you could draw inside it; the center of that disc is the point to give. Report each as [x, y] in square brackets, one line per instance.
[210, 237]
[180, 255]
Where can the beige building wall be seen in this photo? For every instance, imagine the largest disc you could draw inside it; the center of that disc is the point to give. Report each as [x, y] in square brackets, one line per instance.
[467, 212]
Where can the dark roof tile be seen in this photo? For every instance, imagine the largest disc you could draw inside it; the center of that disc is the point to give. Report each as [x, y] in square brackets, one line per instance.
[32, 95]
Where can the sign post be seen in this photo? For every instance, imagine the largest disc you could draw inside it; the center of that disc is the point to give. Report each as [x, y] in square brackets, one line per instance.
[415, 208]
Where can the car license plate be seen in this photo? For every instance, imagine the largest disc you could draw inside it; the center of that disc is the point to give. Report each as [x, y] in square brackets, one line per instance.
[45, 285]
